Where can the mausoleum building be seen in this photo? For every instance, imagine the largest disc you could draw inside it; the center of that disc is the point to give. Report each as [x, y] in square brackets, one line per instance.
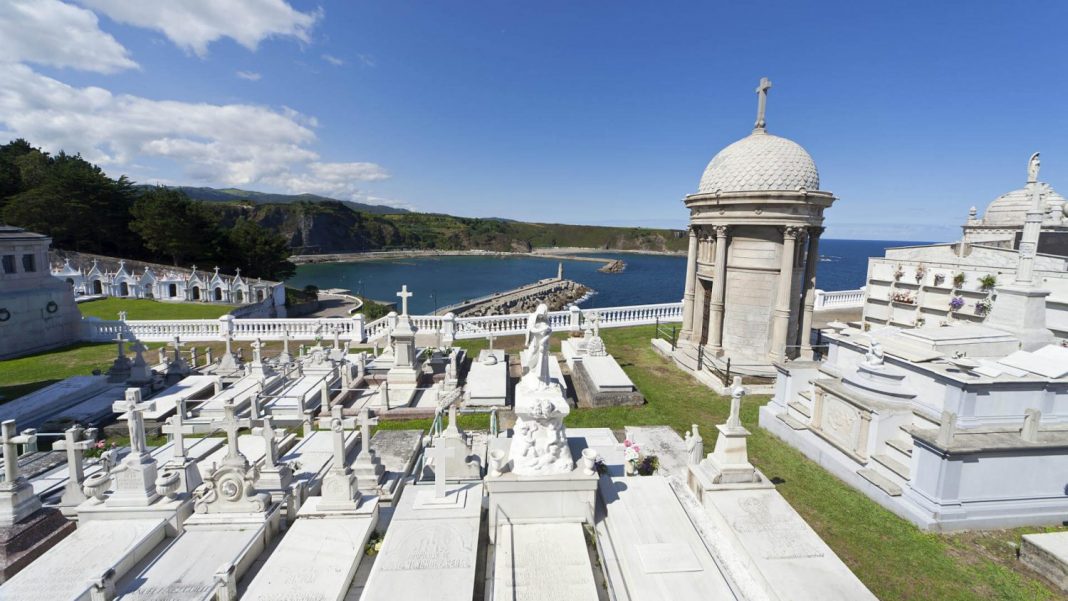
[755, 223]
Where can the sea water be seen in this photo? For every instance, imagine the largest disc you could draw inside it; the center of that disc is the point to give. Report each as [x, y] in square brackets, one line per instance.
[440, 281]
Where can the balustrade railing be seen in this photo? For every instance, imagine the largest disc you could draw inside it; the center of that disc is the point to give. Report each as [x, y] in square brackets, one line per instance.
[451, 328]
[839, 298]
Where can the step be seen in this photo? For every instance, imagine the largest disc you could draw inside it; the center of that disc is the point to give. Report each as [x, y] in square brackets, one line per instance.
[881, 481]
[806, 394]
[893, 465]
[801, 408]
[791, 421]
[901, 446]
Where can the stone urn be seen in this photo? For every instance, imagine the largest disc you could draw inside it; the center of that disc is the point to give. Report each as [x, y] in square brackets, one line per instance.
[589, 461]
[96, 485]
[497, 461]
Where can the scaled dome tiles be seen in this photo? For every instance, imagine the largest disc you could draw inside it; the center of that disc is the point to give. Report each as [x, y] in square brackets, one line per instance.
[1011, 208]
[760, 161]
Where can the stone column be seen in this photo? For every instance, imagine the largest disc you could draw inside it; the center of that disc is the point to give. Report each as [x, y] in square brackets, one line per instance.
[700, 316]
[719, 290]
[781, 317]
[691, 282]
[812, 260]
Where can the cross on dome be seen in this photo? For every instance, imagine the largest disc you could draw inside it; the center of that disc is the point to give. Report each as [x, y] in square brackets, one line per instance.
[762, 103]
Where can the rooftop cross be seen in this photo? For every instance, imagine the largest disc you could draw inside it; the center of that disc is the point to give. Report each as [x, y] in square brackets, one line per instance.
[404, 295]
[762, 103]
[11, 452]
[338, 424]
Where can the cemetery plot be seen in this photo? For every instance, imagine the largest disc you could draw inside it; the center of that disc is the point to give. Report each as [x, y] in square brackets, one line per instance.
[542, 561]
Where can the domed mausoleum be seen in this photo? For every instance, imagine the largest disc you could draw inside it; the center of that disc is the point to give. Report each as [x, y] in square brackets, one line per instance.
[755, 223]
[1002, 223]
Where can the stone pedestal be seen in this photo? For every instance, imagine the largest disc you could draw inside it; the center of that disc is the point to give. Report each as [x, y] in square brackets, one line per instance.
[1021, 311]
[17, 501]
[557, 498]
[729, 462]
[539, 445]
[134, 482]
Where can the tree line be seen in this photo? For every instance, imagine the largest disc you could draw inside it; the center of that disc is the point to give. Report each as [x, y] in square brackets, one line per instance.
[82, 209]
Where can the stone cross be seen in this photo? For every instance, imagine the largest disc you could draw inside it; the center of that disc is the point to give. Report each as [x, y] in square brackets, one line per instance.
[762, 102]
[491, 337]
[177, 344]
[440, 455]
[176, 427]
[404, 296]
[76, 442]
[338, 423]
[231, 424]
[366, 421]
[285, 357]
[135, 420]
[162, 355]
[270, 441]
[737, 392]
[11, 451]
[121, 340]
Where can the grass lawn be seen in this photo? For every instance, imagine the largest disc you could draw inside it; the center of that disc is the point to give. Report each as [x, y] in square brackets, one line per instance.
[26, 374]
[138, 308]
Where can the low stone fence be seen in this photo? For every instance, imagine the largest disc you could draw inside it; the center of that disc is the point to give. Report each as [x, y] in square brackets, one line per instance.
[355, 329]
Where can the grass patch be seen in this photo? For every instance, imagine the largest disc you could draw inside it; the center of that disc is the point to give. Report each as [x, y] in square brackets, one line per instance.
[26, 374]
[139, 308]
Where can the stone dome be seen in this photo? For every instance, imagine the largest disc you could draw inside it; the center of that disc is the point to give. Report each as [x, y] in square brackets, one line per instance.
[1011, 208]
[760, 161]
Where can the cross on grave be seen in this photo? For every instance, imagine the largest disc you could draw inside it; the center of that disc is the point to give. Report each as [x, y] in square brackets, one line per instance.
[11, 452]
[177, 345]
[737, 392]
[231, 424]
[366, 421]
[135, 419]
[762, 102]
[491, 338]
[121, 340]
[176, 427]
[270, 443]
[257, 351]
[338, 423]
[285, 357]
[76, 441]
[404, 296]
[440, 456]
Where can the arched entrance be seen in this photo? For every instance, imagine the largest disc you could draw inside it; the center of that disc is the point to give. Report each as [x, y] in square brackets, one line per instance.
[97, 288]
[172, 290]
[218, 294]
[124, 289]
[239, 297]
[259, 295]
[196, 292]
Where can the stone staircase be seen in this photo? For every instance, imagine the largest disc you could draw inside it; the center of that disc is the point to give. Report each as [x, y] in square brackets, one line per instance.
[890, 467]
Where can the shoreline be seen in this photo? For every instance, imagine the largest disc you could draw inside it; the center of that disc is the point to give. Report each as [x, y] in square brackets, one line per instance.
[558, 253]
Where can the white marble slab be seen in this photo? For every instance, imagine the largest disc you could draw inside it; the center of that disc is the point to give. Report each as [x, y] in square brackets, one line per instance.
[487, 384]
[166, 401]
[330, 548]
[659, 552]
[290, 401]
[314, 455]
[185, 571]
[793, 561]
[607, 375]
[1051, 363]
[39, 405]
[533, 562]
[428, 553]
[63, 572]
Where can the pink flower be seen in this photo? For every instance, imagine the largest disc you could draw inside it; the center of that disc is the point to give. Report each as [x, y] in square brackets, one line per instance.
[627, 442]
[636, 448]
[100, 444]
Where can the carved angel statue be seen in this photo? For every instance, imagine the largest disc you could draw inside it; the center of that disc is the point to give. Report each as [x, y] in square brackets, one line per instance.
[536, 367]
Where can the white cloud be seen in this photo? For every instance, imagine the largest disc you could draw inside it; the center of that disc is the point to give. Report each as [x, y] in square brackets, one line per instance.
[333, 60]
[249, 75]
[49, 32]
[230, 144]
[367, 60]
[194, 24]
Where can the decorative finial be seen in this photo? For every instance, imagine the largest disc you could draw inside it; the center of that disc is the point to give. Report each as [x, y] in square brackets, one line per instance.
[1032, 169]
[762, 103]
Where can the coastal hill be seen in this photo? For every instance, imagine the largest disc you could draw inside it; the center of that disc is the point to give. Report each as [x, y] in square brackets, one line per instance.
[314, 224]
[83, 209]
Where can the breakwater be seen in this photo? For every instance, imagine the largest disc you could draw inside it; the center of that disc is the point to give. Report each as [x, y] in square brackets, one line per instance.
[557, 293]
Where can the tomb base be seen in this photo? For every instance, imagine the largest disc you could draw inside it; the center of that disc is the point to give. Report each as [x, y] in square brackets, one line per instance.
[175, 512]
[25, 541]
[555, 498]
[17, 502]
[369, 472]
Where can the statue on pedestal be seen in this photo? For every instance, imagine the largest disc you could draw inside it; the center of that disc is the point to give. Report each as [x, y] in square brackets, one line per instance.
[539, 445]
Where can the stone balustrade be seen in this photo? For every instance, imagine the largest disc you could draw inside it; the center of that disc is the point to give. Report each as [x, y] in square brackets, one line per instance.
[354, 329]
[839, 299]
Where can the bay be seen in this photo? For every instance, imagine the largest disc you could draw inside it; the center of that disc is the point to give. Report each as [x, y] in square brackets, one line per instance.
[439, 281]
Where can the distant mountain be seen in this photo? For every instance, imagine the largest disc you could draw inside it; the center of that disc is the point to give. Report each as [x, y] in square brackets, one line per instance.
[236, 195]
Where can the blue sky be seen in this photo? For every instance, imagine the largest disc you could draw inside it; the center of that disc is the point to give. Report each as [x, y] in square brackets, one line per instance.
[580, 112]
